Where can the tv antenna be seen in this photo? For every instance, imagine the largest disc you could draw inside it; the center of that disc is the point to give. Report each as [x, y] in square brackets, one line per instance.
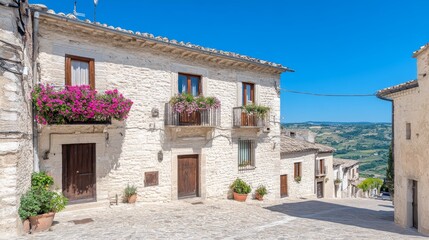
[95, 8]
[76, 13]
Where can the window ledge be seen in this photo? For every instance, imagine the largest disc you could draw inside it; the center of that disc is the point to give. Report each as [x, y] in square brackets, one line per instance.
[246, 168]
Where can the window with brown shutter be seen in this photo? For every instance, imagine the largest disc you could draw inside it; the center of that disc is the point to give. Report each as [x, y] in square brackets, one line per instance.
[79, 71]
[248, 93]
[297, 169]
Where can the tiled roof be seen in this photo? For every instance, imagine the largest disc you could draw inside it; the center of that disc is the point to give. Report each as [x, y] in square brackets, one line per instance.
[70, 18]
[401, 87]
[346, 163]
[324, 148]
[292, 145]
[421, 49]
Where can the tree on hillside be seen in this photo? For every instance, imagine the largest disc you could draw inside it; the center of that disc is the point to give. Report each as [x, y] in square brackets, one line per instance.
[370, 184]
[390, 172]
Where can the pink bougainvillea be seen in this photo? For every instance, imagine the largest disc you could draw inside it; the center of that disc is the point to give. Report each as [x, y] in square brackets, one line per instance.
[78, 104]
[187, 103]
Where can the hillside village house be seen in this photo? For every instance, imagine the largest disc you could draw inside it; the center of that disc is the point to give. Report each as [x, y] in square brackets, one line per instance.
[306, 168]
[346, 176]
[167, 155]
[410, 111]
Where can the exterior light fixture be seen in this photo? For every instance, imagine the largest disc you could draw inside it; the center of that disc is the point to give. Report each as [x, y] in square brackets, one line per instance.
[160, 156]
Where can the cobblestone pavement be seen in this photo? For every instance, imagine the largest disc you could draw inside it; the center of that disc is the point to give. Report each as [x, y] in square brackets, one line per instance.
[225, 219]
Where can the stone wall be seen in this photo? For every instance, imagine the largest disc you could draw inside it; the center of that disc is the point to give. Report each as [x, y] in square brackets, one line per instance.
[305, 188]
[126, 150]
[328, 186]
[411, 156]
[16, 155]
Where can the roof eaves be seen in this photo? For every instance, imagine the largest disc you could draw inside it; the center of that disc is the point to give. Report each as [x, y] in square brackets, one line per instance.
[162, 40]
[397, 88]
[421, 49]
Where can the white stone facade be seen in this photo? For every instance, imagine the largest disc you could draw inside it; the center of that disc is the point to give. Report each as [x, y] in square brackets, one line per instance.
[126, 150]
[410, 149]
[16, 148]
[328, 179]
[306, 187]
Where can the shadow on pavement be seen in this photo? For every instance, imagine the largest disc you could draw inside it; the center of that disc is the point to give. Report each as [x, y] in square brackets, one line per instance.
[343, 214]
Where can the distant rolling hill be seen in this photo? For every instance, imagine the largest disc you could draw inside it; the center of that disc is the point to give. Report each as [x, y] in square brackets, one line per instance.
[364, 141]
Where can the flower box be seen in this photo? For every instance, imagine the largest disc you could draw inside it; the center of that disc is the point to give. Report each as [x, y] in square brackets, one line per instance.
[78, 105]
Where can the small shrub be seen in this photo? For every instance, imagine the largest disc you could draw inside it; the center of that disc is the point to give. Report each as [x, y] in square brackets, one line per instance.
[337, 181]
[40, 201]
[241, 187]
[130, 190]
[298, 179]
[261, 190]
[40, 180]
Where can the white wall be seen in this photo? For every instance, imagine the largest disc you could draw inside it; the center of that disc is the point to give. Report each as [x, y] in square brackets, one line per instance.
[149, 77]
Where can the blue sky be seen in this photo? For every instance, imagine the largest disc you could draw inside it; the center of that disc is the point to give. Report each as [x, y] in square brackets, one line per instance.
[335, 46]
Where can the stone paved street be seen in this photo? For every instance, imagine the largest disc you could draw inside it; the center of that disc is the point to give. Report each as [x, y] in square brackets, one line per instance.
[286, 219]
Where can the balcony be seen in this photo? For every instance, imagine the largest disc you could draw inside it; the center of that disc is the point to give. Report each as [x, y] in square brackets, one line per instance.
[243, 119]
[209, 118]
[320, 171]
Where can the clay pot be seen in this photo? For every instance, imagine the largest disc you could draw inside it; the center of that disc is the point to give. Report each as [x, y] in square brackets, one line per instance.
[41, 222]
[240, 197]
[259, 197]
[132, 198]
[26, 226]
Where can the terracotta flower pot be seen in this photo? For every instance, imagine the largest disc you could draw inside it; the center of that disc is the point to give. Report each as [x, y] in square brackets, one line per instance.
[41, 222]
[259, 197]
[132, 198]
[240, 197]
[26, 226]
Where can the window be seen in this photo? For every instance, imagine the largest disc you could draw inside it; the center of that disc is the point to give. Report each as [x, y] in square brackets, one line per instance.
[248, 93]
[320, 168]
[80, 71]
[408, 131]
[292, 134]
[297, 167]
[190, 84]
[246, 154]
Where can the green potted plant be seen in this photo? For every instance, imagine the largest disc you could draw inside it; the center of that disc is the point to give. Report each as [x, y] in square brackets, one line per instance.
[130, 194]
[298, 179]
[337, 181]
[240, 190]
[261, 191]
[40, 204]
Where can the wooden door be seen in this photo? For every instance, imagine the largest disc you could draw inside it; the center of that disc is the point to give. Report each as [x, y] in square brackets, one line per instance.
[187, 176]
[283, 186]
[415, 206]
[320, 189]
[79, 172]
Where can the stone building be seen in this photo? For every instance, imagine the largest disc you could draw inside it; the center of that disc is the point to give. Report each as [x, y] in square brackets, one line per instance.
[410, 111]
[306, 168]
[167, 156]
[16, 142]
[346, 172]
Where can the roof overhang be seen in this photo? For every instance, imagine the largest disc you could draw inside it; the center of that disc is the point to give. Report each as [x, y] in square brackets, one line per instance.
[387, 93]
[184, 50]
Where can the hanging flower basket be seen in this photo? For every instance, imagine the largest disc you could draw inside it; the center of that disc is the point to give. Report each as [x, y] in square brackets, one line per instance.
[78, 104]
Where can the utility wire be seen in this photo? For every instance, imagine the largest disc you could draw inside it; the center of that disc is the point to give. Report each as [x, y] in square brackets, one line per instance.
[327, 95]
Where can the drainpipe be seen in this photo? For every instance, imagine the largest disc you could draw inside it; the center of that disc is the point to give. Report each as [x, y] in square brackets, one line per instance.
[36, 167]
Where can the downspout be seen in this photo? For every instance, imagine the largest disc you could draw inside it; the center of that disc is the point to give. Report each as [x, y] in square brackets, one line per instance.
[36, 167]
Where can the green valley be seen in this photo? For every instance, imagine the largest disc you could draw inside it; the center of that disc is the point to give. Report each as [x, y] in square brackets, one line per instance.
[367, 142]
